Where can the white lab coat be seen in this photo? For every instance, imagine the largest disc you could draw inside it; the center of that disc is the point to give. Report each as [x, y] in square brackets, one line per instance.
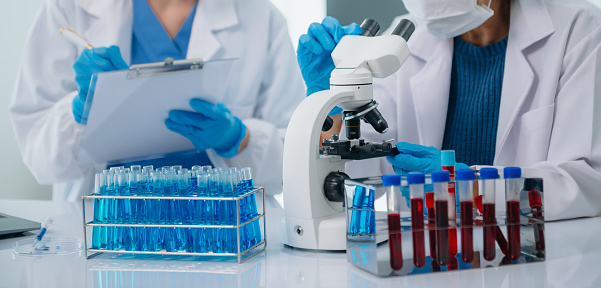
[267, 83]
[550, 113]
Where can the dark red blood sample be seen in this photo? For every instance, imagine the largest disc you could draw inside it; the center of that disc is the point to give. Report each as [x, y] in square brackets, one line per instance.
[536, 203]
[429, 200]
[417, 225]
[501, 240]
[453, 264]
[535, 199]
[432, 231]
[490, 224]
[452, 241]
[394, 241]
[467, 222]
[442, 232]
[451, 170]
[513, 229]
[478, 202]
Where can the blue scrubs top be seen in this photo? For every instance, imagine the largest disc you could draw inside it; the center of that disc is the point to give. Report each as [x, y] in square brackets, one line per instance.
[151, 43]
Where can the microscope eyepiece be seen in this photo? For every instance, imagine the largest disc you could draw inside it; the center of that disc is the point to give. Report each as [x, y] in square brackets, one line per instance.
[370, 27]
[404, 29]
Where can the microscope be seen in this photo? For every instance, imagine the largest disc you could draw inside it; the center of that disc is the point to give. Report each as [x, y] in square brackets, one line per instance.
[314, 215]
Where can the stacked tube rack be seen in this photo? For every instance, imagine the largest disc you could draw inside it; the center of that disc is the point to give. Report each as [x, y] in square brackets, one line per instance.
[175, 211]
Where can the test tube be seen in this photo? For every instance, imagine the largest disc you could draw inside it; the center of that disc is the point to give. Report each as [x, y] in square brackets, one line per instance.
[513, 186]
[465, 186]
[97, 231]
[416, 183]
[488, 177]
[534, 186]
[394, 201]
[448, 164]
[440, 181]
[255, 232]
[431, 224]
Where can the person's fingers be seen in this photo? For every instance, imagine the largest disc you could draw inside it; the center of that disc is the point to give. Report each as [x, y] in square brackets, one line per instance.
[333, 27]
[208, 110]
[352, 29]
[310, 44]
[417, 150]
[319, 33]
[116, 58]
[409, 163]
[187, 118]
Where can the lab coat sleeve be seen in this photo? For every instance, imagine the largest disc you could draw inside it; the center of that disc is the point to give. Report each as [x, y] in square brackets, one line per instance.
[572, 172]
[40, 108]
[282, 89]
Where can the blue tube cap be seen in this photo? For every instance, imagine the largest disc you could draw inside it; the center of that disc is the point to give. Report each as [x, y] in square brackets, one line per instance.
[447, 158]
[489, 173]
[391, 180]
[512, 172]
[441, 176]
[465, 175]
[416, 178]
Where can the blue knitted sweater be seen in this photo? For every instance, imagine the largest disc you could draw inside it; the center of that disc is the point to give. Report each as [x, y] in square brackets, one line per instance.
[474, 100]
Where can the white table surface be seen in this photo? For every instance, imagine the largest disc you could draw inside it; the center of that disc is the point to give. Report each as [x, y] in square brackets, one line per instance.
[573, 253]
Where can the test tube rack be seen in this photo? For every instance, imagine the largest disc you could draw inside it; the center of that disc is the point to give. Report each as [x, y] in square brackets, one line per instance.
[242, 254]
[368, 242]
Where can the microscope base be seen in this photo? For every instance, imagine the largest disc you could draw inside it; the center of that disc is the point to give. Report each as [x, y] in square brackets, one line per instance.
[327, 233]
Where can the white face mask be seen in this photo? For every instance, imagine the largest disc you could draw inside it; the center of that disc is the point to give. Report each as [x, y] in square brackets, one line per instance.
[448, 18]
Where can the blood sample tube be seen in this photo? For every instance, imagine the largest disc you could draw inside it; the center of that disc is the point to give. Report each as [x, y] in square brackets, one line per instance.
[465, 186]
[431, 224]
[440, 181]
[533, 186]
[416, 183]
[394, 198]
[448, 164]
[513, 186]
[489, 176]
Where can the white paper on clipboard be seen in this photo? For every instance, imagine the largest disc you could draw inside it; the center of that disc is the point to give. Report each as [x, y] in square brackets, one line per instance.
[126, 120]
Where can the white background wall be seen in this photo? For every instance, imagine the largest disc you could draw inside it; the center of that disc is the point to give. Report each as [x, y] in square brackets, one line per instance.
[16, 182]
[15, 19]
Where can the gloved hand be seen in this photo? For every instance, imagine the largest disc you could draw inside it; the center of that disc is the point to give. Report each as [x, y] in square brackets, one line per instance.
[315, 49]
[213, 127]
[90, 61]
[417, 158]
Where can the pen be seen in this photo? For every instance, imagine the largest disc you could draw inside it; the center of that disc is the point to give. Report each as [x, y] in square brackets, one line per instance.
[45, 225]
[75, 38]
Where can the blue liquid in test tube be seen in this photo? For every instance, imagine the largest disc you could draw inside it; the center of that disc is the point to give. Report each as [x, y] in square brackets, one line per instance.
[125, 235]
[98, 232]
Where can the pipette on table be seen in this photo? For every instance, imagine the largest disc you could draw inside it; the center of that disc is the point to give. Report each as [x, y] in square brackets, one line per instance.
[45, 225]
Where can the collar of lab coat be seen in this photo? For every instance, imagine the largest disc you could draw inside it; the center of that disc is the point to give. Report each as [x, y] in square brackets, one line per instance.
[112, 22]
[431, 86]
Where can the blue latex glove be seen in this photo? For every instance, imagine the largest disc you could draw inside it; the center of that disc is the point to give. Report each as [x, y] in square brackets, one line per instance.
[213, 127]
[417, 158]
[314, 53]
[90, 61]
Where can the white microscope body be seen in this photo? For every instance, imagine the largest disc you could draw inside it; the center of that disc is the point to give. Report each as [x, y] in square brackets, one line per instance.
[312, 221]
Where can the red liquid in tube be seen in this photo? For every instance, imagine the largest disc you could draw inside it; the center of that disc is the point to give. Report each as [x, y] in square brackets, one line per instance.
[431, 224]
[467, 222]
[394, 241]
[513, 229]
[489, 231]
[536, 204]
[417, 225]
[442, 232]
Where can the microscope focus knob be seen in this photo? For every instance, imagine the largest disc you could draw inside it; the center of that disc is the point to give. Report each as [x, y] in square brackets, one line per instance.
[333, 186]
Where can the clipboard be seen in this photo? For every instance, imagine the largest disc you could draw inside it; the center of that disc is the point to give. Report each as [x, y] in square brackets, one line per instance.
[126, 120]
